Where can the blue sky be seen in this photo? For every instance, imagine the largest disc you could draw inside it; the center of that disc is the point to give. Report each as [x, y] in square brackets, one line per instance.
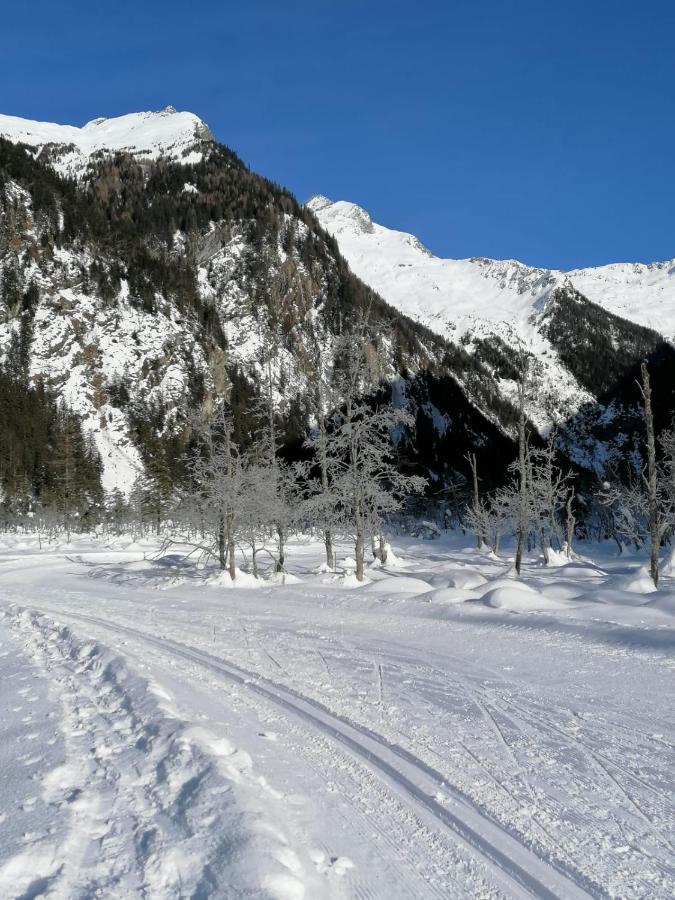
[541, 131]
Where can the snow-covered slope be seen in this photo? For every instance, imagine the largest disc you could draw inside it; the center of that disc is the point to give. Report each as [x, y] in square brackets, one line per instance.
[469, 301]
[147, 135]
[642, 293]
[453, 294]
[463, 300]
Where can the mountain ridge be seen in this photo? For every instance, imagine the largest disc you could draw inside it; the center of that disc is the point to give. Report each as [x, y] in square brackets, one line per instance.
[341, 218]
[145, 135]
[140, 282]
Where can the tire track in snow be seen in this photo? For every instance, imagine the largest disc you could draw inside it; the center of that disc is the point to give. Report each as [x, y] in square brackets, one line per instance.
[516, 867]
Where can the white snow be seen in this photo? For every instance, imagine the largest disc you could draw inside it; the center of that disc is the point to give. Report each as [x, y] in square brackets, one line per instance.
[483, 298]
[445, 731]
[165, 132]
[451, 295]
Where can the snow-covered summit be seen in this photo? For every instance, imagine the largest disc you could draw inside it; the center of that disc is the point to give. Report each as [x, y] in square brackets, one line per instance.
[446, 294]
[460, 292]
[502, 302]
[147, 135]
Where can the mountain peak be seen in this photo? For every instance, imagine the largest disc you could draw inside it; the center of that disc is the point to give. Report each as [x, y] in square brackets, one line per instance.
[149, 134]
[341, 216]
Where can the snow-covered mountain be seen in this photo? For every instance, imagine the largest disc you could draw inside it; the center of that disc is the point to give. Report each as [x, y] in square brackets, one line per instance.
[469, 301]
[143, 135]
[148, 283]
[452, 295]
[151, 284]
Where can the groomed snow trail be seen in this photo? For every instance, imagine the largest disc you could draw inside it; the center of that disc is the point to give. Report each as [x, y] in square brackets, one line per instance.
[514, 866]
[364, 743]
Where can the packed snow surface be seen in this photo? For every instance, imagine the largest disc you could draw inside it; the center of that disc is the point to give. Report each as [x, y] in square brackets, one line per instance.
[446, 730]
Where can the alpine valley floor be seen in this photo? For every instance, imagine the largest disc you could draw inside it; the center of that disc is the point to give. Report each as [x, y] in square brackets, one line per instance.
[443, 731]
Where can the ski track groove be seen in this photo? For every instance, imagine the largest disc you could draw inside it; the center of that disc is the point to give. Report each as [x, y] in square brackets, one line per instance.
[600, 762]
[356, 739]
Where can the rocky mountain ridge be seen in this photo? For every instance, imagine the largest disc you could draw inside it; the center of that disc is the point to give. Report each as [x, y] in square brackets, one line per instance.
[500, 311]
[145, 273]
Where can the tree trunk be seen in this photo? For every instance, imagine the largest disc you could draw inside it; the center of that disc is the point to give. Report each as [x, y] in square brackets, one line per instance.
[654, 536]
[383, 549]
[522, 465]
[481, 537]
[221, 543]
[359, 546]
[230, 544]
[282, 555]
[570, 524]
[330, 557]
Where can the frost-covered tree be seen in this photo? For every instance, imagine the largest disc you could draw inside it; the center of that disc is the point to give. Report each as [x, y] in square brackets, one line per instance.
[548, 489]
[364, 482]
[219, 477]
[520, 469]
[643, 509]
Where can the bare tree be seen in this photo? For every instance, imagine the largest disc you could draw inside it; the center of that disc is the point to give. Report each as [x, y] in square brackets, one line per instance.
[478, 511]
[364, 482]
[548, 489]
[218, 473]
[651, 479]
[521, 470]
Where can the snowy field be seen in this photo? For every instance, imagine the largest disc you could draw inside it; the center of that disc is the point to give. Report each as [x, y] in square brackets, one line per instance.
[442, 731]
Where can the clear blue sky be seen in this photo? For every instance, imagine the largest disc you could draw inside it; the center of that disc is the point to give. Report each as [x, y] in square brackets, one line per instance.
[538, 130]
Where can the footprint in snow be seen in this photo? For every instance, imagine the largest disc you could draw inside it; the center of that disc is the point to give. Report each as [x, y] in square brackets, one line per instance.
[330, 865]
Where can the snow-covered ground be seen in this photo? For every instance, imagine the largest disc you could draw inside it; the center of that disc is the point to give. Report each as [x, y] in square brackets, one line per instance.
[444, 730]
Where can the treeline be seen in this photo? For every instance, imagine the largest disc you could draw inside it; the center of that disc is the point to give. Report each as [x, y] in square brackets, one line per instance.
[47, 463]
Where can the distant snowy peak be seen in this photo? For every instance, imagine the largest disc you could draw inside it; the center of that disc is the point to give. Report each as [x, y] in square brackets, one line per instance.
[343, 218]
[146, 135]
[457, 291]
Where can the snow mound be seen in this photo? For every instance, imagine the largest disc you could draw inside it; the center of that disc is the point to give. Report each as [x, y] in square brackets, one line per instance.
[282, 578]
[400, 585]
[639, 582]
[512, 581]
[241, 580]
[466, 579]
[519, 598]
[451, 595]
[557, 559]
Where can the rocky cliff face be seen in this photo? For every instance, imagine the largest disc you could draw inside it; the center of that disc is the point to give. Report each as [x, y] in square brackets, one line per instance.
[145, 272]
[141, 281]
